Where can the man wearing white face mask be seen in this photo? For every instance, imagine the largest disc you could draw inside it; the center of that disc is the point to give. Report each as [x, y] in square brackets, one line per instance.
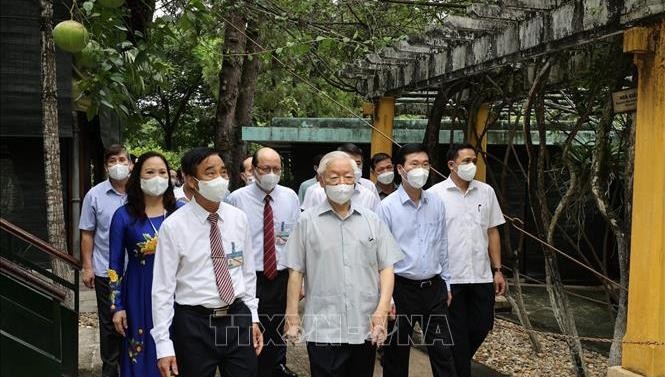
[204, 302]
[345, 255]
[357, 155]
[417, 220]
[272, 211]
[473, 215]
[99, 205]
[384, 171]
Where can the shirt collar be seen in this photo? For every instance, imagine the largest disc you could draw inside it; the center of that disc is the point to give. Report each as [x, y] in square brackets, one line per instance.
[325, 208]
[404, 197]
[201, 213]
[256, 191]
[108, 187]
[448, 184]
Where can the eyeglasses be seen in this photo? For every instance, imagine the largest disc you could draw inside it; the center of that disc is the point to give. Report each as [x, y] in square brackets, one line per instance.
[267, 169]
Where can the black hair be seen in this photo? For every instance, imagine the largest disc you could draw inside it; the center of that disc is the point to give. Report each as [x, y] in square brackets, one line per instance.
[453, 152]
[193, 158]
[135, 196]
[408, 149]
[114, 150]
[316, 160]
[378, 158]
[350, 148]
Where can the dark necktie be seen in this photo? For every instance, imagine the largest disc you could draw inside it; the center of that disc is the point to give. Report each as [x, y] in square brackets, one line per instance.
[219, 263]
[269, 256]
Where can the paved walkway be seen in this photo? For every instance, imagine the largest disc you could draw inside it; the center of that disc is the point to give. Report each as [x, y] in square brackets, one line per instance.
[90, 363]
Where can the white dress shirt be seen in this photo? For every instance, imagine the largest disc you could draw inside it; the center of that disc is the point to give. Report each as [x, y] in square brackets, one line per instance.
[183, 269]
[468, 217]
[366, 183]
[362, 198]
[285, 209]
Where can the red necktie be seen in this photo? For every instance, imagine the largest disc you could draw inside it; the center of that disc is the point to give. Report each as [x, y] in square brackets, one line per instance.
[269, 256]
[219, 263]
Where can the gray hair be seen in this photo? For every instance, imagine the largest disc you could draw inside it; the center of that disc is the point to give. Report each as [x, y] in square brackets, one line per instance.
[334, 156]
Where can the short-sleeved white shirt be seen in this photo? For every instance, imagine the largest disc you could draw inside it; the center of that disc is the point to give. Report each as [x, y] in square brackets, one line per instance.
[468, 217]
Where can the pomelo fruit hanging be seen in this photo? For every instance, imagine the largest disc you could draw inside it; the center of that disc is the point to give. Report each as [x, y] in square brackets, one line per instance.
[70, 36]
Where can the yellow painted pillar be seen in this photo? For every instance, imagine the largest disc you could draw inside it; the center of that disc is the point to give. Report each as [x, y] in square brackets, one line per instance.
[646, 294]
[474, 133]
[384, 117]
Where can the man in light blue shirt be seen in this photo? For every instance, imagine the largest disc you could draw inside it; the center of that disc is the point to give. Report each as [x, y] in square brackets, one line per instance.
[98, 208]
[417, 220]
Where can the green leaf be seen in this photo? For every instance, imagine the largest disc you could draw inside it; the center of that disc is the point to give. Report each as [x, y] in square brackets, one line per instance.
[279, 50]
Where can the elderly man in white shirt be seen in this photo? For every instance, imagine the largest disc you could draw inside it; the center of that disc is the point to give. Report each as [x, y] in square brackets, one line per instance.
[474, 247]
[272, 211]
[345, 256]
[356, 154]
[204, 305]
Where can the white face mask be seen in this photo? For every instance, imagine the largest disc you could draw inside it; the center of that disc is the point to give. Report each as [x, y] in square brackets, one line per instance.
[386, 178]
[154, 186]
[267, 181]
[417, 177]
[357, 173]
[466, 171]
[214, 190]
[249, 180]
[339, 194]
[119, 172]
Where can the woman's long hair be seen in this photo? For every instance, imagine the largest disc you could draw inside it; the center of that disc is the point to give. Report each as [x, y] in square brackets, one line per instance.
[135, 196]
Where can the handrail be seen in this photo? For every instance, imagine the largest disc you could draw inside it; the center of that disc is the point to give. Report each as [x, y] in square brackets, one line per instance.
[39, 243]
[16, 271]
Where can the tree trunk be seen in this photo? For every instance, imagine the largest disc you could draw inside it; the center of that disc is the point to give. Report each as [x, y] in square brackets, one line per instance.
[542, 217]
[227, 130]
[250, 75]
[621, 229]
[431, 139]
[55, 218]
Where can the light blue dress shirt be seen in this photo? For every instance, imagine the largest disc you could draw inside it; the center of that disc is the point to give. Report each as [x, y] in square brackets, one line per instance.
[420, 231]
[99, 205]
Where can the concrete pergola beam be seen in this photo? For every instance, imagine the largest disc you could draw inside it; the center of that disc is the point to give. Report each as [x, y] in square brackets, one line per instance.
[569, 25]
[532, 4]
[495, 12]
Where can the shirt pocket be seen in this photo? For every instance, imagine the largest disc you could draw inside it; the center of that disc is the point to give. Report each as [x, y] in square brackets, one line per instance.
[369, 252]
[234, 253]
[282, 231]
[481, 214]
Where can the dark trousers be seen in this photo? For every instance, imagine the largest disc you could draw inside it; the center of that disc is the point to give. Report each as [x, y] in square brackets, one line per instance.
[471, 318]
[341, 360]
[109, 339]
[204, 344]
[272, 306]
[425, 303]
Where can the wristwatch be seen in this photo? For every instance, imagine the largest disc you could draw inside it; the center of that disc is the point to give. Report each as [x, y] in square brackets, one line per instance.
[495, 270]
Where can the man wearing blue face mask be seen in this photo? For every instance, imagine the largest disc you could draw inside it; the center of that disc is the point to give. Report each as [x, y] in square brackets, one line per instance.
[272, 211]
[473, 215]
[99, 205]
[417, 220]
[204, 302]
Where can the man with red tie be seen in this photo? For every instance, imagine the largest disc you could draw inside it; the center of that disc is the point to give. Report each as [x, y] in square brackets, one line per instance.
[204, 302]
[272, 211]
